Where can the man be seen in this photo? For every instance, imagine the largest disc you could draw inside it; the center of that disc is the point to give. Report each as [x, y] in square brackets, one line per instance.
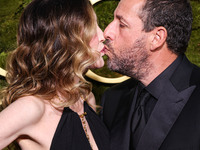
[147, 40]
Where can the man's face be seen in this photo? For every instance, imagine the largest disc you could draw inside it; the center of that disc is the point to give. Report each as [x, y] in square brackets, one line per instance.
[126, 40]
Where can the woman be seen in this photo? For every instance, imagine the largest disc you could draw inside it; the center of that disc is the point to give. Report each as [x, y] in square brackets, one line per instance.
[48, 98]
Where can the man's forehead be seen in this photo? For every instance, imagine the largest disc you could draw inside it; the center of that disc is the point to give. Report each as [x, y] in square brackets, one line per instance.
[127, 7]
[128, 12]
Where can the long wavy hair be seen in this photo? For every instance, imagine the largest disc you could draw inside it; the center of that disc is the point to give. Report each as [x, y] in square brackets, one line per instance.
[53, 48]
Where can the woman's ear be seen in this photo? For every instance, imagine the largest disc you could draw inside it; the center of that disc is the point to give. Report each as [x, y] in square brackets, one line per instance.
[158, 38]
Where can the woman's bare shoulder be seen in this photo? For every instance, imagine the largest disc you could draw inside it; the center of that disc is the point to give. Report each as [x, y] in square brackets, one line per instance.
[30, 105]
[19, 117]
[29, 108]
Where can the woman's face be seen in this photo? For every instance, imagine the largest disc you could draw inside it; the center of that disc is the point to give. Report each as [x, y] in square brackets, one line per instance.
[97, 44]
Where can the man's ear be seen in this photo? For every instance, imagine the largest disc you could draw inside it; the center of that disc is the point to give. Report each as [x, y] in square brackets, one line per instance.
[158, 38]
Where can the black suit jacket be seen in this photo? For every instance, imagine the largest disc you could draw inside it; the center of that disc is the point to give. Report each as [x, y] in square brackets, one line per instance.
[175, 121]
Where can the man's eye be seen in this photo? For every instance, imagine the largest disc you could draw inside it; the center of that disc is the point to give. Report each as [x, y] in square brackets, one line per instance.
[121, 25]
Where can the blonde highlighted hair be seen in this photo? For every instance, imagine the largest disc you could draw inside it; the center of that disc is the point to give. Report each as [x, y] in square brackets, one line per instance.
[53, 48]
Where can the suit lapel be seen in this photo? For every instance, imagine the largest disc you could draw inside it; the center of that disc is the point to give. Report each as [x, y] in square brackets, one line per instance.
[173, 98]
[163, 117]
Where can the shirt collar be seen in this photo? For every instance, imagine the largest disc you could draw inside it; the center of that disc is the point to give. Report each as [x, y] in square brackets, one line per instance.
[156, 86]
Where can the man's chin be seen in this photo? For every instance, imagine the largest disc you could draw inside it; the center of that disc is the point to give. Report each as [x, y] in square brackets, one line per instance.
[111, 65]
[114, 67]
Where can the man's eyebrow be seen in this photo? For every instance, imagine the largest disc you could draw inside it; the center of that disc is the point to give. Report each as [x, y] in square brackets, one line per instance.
[121, 18]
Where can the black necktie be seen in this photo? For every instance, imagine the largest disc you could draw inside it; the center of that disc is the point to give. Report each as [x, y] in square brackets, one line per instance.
[138, 119]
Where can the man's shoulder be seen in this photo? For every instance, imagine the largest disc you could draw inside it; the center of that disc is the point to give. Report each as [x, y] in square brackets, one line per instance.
[116, 98]
[115, 94]
[195, 76]
[196, 70]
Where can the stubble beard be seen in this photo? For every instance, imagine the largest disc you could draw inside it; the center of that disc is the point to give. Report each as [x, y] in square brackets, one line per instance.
[132, 61]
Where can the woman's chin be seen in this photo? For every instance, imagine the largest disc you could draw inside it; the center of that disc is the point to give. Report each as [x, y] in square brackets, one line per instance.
[98, 64]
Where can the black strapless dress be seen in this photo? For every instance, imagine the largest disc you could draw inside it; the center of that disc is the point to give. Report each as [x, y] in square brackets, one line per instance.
[70, 135]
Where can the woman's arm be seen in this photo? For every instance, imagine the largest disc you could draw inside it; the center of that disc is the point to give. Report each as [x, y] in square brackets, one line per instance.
[18, 117]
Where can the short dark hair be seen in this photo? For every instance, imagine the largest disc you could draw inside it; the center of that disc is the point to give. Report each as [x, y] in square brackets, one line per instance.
[175, 16]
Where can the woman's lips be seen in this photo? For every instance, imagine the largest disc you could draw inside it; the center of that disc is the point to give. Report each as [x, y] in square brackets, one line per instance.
[103, 50]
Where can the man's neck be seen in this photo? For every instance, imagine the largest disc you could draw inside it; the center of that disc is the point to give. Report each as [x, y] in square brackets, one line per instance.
[159, 63]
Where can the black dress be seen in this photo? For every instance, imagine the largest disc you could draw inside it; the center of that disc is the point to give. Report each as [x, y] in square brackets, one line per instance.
[70, 135]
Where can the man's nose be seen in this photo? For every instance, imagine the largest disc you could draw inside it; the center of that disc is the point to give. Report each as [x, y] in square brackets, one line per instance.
[109, 32]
